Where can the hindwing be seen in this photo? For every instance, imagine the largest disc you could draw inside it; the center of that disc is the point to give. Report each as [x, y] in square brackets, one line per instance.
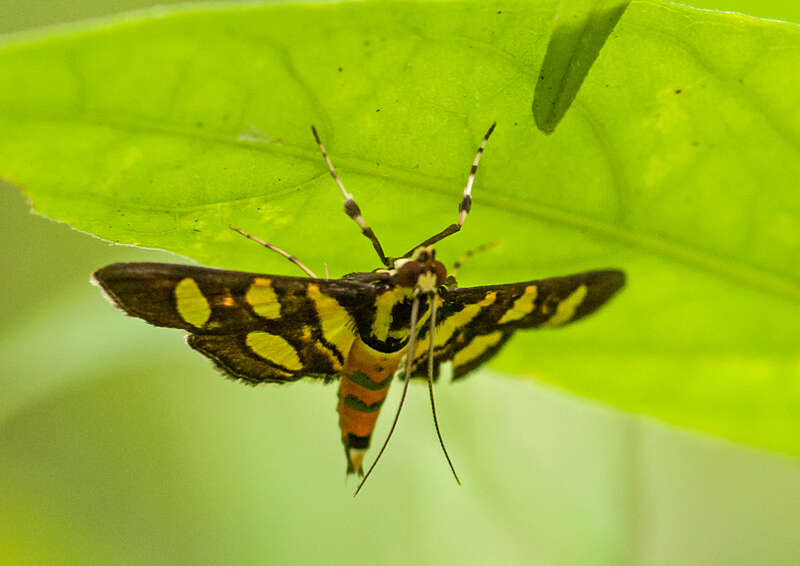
[254, 327]
[473, 323]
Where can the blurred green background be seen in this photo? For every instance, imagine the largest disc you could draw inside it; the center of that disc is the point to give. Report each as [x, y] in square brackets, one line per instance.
[118, 445]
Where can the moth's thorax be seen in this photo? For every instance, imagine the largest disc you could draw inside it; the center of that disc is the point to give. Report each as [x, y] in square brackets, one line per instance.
[421, 272]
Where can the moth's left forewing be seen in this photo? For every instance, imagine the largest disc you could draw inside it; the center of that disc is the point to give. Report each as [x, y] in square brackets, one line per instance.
[475, 322]
[537, 304]
[559, 301]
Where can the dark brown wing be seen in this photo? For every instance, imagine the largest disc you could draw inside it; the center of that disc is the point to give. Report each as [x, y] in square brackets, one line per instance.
[473, 323]
[255, 327]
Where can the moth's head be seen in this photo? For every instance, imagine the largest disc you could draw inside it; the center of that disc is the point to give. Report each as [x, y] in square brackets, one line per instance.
[421, 271]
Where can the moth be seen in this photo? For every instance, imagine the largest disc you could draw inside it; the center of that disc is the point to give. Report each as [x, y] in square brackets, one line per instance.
[407, 318]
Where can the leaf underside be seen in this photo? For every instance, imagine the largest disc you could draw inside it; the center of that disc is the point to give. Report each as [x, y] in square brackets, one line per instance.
[676, 162]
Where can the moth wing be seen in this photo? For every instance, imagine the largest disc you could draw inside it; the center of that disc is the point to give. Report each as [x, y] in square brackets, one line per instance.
[473, 323]
[254, 327]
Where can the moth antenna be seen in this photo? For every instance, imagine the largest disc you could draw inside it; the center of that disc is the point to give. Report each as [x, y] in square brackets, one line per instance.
[350, 207]
[409, 361]
[466, 201]
[288, 256]
[430, 386]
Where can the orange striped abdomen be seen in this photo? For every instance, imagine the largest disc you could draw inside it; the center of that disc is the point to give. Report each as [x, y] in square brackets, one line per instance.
[365, 382]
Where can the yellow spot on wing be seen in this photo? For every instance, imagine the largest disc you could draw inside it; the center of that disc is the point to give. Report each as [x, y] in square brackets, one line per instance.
[446, 329]
[334, 319]
[522, 307]
[475, 348]
[384, 304]
[190, 302]
[263, 299]
[274, 349]
[565, 310]
[308, 338]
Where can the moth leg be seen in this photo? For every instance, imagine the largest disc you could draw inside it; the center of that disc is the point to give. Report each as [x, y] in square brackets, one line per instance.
[431, 346]
[450, 282]
[350, 207]
[288, 256]
[466, 201]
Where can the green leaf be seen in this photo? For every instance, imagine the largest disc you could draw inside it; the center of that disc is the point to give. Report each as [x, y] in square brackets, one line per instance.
[787, 10]
[678, 162]
[580, 30]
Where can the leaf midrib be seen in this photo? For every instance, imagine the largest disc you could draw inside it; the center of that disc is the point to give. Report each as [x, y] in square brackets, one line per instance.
[752, 275]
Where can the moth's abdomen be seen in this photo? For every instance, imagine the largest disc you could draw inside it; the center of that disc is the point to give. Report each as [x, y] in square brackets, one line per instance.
[364, 385]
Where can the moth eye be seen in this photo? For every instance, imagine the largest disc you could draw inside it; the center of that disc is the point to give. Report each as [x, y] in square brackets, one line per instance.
[423, 257]
[441, 272]
[408, 274]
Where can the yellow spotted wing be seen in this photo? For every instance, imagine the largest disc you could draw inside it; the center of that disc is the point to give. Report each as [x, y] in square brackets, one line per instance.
[254, 327]
[473, 323]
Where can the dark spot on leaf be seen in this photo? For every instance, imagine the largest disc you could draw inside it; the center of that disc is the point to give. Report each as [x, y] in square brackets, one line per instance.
[499, 11]
[198, 124]
[678, 91]
[515, 123]
[339, 69]
[378, 110]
